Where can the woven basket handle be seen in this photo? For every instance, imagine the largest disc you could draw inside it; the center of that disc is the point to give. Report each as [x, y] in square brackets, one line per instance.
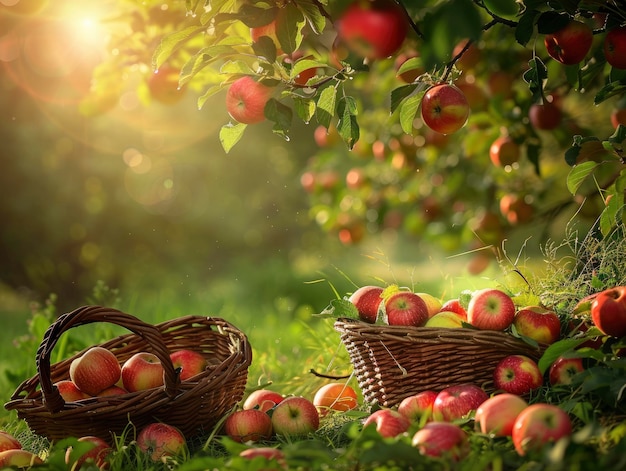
[89, 314]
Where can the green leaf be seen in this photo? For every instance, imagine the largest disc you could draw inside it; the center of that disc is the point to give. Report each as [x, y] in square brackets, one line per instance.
[535, 77]
[533, 152]
[289, 24]
[340, 308]
[281, 115]
[399, 94]
[619, 135]
[207, 94]
[305, 64]
[202, 58]
[556, 350]
[408, 111]
[551, 21]
[347, 126]
[408, 65]
[305, 108]
[610, 90]
[266, 48]
[236, 67]
[611, 212]
[526, 26]
[230, 134]
[578, 174]
[326, 106]
[170, 42]
[313, 15]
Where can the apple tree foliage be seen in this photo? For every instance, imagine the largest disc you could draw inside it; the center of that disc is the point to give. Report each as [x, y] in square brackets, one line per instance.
[378, 166]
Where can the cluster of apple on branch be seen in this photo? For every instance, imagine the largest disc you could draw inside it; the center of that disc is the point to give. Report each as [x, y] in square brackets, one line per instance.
[494, 98]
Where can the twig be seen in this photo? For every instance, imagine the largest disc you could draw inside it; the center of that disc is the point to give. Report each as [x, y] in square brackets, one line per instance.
[322, 375]
[414, 26]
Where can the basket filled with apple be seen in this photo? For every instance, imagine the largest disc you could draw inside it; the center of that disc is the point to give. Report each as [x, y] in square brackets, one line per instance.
[401, 343]
[187, 372]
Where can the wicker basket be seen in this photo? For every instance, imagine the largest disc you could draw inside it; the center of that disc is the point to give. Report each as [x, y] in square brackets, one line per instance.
[394, 362]
[193, 405]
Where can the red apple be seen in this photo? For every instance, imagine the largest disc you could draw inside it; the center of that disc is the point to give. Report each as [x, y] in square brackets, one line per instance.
[388, 422]
[262, 399]
[69, 392]
[95, 370]
[96, 454]
[270, 454]
[571, 43]
[608, 311]
[538, 323]
[18, 458]
[517, 374]
[406, 308]
[545, 116]
[190, 362]
[373, 29]
[497, 414]
[446, 320]
[538, 425]
[246, 100]
[8, 441]
[248, 425]
[419, 406]
[564, 369]
[159, 440]
[504, 151]
[618, 116]
[455, 402]
[142, 371]
[490, 309]
[516, 209]
[454, 305]
[615, 47]
[433, 304]
[295, 416]
[445, 108]
[441, 439]
[268, 30]
[367, 300]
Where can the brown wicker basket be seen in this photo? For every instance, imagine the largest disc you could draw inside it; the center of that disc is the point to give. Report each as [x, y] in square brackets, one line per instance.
[193, 405]
[394, 362]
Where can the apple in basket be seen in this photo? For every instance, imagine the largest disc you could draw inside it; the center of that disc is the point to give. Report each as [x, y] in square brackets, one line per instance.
[69, 392]
[191, 363]
[406, 308]
[95, 370]
[96, 451]
[490, 309]
[142, 371]
[262, 399]
[8, 442]
[497, 414]
[455, 402]
[441, 439]
[18, 458]
[249, 425]
[158, 440]
[295, 416]
[432, 303]
[388, 422]
[367, 300]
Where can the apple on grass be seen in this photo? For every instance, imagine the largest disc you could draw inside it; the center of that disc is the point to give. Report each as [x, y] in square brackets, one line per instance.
[517, 374]
[538, 323]
[418, 407]
[490, 309]
[615, 47]
[388, 422]
[159, 440]
[95, 370]
[94, 450]
[406, 308]
[539, 424]
[69, 392]
[570, 44]
[497, 414]
[262, 399]
[441, 439]
[142, 371]
[190, 362]
[8, 441]
[564, 369]
[375, 29]
[295, 416]
[446, 320]
[367, 300]
[18, 458]
[249, 425]
[246, 100]
[339, 397]
[269, 454]
[455, 402]
[608, 311]
[445, 108]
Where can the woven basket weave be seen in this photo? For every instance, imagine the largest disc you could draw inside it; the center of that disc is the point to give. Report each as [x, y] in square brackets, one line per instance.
[394, 362]
[193, 405]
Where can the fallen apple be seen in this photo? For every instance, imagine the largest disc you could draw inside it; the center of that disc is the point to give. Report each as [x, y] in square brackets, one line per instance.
[497, 414]
[159, 440]
[538, 323]
[441, 439]
[608, 311]
[388, 422]
[538, 425]
[455, 402]
[517, 374]
[295, 416]
[262, 399]
[418, 407]
[248, 425]
[564, 369]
